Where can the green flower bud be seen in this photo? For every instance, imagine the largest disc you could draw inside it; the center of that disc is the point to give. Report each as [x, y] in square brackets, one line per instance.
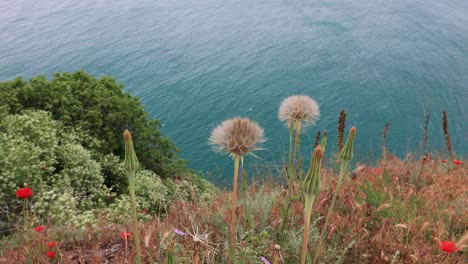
[131, 162]
[347, 152]
[313, 182]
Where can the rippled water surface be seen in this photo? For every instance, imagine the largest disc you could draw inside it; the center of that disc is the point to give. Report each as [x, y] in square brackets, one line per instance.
[195, 63]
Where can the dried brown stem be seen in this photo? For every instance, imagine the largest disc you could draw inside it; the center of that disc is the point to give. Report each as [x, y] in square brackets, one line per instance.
[446, 134]
[426, 123]
[317, 139]
[341, 128]
[384, 148]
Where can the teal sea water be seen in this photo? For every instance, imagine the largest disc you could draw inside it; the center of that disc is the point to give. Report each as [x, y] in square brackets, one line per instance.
[196, 63]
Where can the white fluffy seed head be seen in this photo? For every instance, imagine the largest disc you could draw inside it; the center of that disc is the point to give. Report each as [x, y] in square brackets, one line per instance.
[298, 109]
[236, 136]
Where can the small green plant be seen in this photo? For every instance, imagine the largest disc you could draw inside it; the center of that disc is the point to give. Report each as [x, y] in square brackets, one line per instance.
[375, 198]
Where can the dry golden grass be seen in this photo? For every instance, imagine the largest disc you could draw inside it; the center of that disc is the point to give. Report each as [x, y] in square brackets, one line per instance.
[411, 218]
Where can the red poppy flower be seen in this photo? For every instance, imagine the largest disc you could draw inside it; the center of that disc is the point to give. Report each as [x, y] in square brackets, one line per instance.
[378, 170]
[125, 236]
[448, 246]
[38, 228]
[52, 244]
[444, 161]
[457, 162]
[51, 254]
[144, 211]
[24, 193]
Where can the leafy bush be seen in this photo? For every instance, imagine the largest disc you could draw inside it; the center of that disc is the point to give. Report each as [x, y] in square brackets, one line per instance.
[151, 193]
[24, 151]
[98, 107]
[80, 173]
[152, 197]
[55, 205]
[65, 178]
[195, 189]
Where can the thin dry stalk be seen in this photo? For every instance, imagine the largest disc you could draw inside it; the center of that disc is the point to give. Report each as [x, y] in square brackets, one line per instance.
[317, 139]
[426, 123]
[384, 148]
[341, 129]
[446, 134]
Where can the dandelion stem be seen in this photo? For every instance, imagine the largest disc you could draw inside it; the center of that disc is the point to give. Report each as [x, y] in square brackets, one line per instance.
[343, 168]
[292, 169]
[290, 147]
[131, 181]
[296, 140]
[309, 201]
[234, 198]
[291, 172]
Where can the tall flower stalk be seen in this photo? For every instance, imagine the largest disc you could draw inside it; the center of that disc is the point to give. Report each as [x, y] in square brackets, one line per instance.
[237, 137]
[131, 166]
[296, 112]
[346, 156]
[234, 201]
[311, 187]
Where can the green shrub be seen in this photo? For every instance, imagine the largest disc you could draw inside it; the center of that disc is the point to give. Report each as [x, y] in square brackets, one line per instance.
[81, 174]
[152, 195]
[65, 178]
[56, 206]
[194, 189]
[98, 107]
[28, 143]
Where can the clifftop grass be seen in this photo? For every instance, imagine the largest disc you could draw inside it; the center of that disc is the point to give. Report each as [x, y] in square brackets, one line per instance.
[381, 216]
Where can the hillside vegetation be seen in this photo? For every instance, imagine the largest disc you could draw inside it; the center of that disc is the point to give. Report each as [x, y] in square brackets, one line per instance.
[87, 178]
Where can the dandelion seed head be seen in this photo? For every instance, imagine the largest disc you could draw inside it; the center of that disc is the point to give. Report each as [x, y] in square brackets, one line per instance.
[298, 109]
[236, 136]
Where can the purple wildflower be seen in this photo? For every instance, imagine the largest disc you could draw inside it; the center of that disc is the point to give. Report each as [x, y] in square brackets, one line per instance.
[180, 233]
[265, 260]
